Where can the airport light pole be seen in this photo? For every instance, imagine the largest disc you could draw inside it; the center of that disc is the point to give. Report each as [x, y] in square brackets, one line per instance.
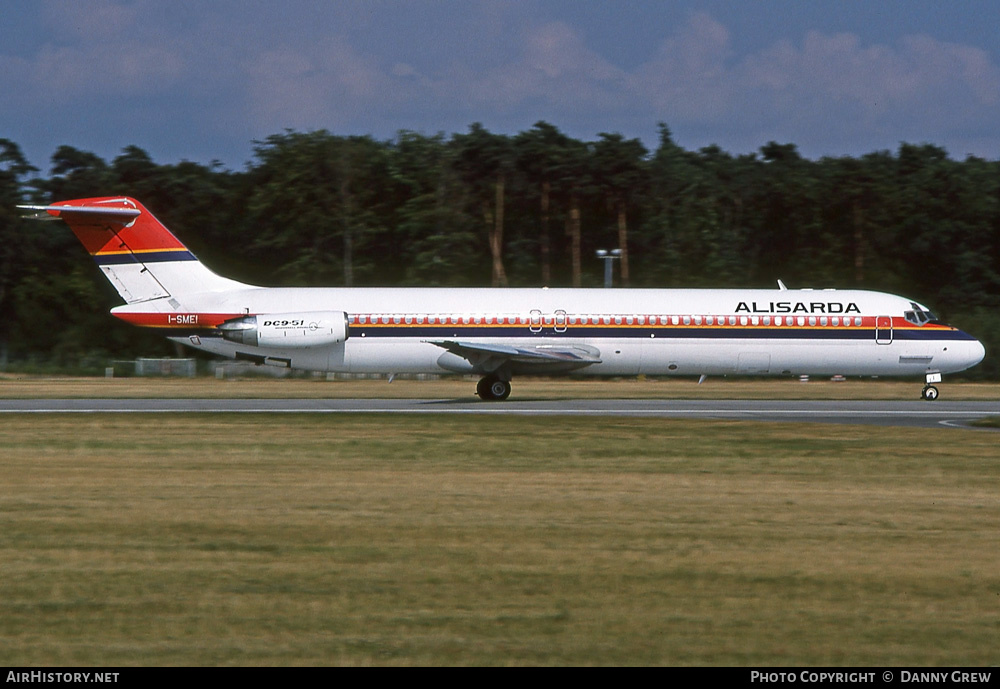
[609, 257]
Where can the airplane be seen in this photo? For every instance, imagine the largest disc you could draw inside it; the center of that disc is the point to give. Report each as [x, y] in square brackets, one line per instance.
[497, 334]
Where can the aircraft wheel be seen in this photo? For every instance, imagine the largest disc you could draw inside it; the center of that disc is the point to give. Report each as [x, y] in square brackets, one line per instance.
[930, 393]
[492, 389]
[483, 388]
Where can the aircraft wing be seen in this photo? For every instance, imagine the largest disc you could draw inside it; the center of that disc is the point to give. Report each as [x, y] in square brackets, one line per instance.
[490, 356]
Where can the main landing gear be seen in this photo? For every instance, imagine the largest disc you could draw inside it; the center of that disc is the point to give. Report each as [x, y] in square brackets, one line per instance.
[492, 389]
[930, 393]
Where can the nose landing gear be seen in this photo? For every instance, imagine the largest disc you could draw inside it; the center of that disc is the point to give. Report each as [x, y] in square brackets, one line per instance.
[930, 393]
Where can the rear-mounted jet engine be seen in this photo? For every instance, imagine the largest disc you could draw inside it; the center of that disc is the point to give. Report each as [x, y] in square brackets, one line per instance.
[311, 329]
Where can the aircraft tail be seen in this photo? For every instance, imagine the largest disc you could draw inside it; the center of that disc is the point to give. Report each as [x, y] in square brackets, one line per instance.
[134, 250]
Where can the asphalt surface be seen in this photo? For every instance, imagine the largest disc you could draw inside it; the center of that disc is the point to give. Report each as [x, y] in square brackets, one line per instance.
[881, 413]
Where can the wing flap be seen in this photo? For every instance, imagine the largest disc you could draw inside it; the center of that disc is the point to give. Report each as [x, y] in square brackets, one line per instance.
[491, 356]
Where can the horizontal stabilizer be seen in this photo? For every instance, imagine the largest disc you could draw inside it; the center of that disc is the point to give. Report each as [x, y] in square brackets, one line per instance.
[96, 214]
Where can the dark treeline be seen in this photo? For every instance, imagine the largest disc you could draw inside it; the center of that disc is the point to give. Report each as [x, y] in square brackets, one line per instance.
[480, 208]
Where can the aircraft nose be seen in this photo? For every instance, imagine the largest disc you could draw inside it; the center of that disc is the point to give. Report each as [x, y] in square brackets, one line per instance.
[969, 353]
[962, 354]
[977, 352]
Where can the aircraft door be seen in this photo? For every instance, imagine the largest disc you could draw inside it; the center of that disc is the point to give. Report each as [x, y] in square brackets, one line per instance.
[555, 321]
[560, 324]
[536, 321]
[883, 330]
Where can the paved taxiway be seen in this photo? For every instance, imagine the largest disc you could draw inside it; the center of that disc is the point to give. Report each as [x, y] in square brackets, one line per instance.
[882, 413]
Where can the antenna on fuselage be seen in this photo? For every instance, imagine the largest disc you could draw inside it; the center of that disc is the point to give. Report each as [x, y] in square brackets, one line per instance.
[781, 286]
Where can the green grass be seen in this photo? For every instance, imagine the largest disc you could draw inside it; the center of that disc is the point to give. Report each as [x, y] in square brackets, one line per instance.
[14, 386]
[988, 422]
[357, 540]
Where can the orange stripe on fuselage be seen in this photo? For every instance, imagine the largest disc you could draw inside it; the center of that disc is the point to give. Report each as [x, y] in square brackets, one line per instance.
[211, 320]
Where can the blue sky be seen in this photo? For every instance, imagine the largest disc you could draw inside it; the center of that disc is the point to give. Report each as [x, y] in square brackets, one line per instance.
[202, 79]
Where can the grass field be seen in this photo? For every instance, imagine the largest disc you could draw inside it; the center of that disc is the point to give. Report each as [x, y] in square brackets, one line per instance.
[17, 386]
[367, 540]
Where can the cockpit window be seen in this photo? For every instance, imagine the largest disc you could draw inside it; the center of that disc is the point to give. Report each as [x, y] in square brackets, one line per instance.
[919, 315]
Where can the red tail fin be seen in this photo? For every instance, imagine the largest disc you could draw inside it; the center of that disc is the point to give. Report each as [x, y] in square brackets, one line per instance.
[111, 228]
[136, 253]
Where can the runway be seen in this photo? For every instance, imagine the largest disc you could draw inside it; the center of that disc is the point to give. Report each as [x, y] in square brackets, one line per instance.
[879, 413]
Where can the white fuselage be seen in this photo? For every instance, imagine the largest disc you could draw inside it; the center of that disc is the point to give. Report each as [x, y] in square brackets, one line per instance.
[655, 332]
